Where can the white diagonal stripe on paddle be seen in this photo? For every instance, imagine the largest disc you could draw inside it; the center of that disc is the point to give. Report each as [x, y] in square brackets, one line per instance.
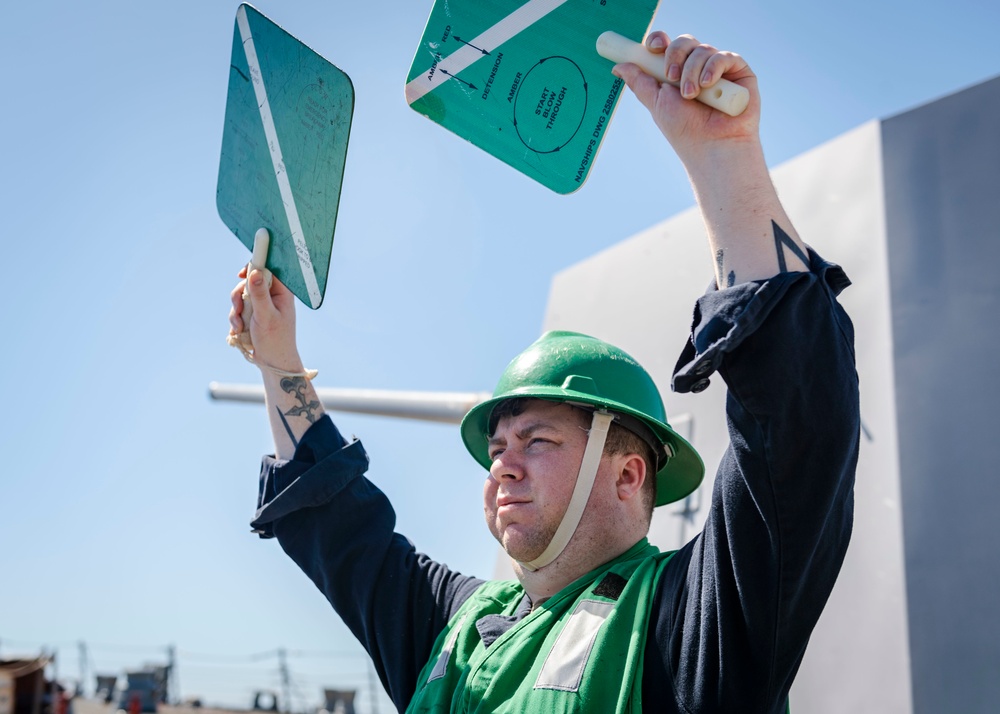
[525, 16]
[285, 188]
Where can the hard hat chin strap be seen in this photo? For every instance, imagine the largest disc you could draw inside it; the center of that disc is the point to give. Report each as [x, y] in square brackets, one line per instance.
[599, 426]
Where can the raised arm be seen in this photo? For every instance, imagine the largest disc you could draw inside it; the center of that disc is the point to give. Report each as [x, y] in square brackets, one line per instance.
[737, 605]
[292, 404]
[749, 234]
[333, 522]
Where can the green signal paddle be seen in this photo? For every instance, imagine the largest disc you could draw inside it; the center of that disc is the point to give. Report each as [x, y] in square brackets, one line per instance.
[523, 80]
[284, 147]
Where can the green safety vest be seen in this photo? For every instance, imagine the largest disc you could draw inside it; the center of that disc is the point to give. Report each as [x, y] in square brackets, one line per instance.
[579, 651]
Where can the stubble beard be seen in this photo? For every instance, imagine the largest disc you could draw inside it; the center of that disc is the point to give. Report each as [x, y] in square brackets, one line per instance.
[522, 543]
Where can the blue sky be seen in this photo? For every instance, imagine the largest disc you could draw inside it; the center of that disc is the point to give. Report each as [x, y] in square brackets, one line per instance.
[126, 497]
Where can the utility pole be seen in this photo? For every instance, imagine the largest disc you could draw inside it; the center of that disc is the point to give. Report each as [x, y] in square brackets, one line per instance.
[286, 680]
[173, 693]
[82, 649]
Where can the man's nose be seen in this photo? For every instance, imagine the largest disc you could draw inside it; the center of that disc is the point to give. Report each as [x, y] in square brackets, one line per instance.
[507, 466]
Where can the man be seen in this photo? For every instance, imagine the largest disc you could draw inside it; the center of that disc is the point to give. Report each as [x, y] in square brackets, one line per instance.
[578, 452]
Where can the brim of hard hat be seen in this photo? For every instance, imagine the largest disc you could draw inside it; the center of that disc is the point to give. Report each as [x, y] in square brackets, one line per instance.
[677, 479]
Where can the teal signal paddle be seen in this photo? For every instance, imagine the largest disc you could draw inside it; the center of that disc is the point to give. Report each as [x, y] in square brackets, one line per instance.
[523, 80]
[284, 147]
[530, 82]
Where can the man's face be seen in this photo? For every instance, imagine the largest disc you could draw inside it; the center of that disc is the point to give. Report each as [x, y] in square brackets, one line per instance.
[536, 457]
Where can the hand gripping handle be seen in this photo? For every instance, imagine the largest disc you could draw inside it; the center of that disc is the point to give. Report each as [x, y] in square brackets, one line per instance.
[726, 96]
[258, 261]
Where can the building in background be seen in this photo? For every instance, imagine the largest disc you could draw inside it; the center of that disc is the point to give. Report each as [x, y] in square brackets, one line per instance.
[26, 689]
[338, 701]
[910, 206]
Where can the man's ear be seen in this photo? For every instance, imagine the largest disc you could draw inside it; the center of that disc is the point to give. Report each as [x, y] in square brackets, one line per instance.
[631, 476]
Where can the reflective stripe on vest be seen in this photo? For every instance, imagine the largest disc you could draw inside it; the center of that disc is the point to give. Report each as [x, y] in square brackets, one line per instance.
[564, 665]
[442, 661]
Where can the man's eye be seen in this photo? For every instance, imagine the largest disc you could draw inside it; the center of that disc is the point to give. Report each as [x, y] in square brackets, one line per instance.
[494, 455]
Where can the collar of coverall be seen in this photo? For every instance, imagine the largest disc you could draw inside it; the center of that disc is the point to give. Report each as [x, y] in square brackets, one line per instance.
[599, 425]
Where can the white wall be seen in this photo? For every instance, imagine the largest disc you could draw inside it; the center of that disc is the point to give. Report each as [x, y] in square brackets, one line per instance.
[639, 295]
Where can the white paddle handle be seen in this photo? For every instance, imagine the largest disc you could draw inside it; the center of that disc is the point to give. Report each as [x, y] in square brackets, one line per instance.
[261, 241]
[726, 96]
[258, 261]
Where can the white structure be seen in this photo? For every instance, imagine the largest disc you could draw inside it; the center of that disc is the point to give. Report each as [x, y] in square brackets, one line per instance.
[910, 206]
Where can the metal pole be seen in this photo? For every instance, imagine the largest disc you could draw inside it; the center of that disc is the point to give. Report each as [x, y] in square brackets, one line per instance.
[286, 683]
[173, 693]
[82, 649]
[446, 407]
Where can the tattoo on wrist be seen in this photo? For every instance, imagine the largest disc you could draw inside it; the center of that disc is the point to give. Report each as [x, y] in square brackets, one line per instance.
[720, 271]
[305, 408]
[288, 429]
[781, 241]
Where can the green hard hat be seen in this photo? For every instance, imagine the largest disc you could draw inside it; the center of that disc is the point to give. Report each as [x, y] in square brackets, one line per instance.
[571, 367]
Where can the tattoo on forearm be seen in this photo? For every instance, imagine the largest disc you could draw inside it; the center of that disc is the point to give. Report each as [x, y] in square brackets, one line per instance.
[288, 429]
[781, 241]
[305, 408]
[720, 271]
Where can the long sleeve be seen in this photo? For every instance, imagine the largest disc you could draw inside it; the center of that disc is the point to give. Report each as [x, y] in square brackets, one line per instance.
[339, 528]
[738, 604]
